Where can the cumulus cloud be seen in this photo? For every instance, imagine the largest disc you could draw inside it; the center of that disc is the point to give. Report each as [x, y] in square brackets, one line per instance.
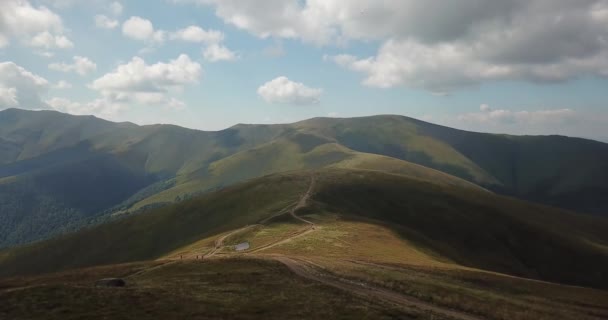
[284, 91]
[34, 26]
[441, 46]
[8, 98]
[141, 83]
[104, 22]
[216, 52]
[142, 29]
[81, 65]
[47, 40]
[99, 107]
[445, 67]
[274, 18]
[133, 83]
[20, 88]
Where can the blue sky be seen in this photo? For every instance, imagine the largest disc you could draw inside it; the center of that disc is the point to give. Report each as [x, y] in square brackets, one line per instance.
[521, 67]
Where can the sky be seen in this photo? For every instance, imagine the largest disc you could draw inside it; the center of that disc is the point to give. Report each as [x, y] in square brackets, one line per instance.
[509, 66]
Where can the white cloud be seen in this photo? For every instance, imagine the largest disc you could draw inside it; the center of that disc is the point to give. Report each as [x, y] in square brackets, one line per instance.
[62, 85]
[198, 35]
[275, 18]
[34, 26]
[8, 98]
[81, 65]
[102, 21]
[142, 29]
[49, 41]
[3, 41]
[217, 52]
[116, 8]
[141, 83]
[214, 50]
[448, 66]
[284, 91]
[441, 46]
[20, 88]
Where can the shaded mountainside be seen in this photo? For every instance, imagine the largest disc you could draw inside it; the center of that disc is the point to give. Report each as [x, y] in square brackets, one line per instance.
[450, 224]
[145, 166]
[556, 170]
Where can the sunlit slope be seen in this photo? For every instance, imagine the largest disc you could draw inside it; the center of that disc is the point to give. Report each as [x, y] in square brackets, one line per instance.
[477, 229]
[294, 152]
[397, 137]
[381, 214]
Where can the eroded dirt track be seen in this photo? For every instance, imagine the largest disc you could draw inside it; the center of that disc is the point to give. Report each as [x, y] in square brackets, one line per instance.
[309, 271]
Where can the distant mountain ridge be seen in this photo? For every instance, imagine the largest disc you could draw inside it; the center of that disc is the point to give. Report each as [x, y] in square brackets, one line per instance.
[58, 171]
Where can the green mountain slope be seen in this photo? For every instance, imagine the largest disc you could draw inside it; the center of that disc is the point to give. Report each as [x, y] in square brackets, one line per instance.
[59, 171]
[168, 163]
[452, 225]
[561, 171]
[291, 152]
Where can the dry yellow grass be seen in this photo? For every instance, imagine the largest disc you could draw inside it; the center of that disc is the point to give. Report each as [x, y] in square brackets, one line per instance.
[338, 238]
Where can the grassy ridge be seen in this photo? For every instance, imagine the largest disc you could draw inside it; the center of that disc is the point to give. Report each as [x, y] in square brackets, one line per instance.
[477, 229]
[236, 289]
[459, 225]
[290, 153]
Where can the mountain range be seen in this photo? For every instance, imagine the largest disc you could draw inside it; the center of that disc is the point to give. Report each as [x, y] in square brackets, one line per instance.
[378, 217]
[60, 172]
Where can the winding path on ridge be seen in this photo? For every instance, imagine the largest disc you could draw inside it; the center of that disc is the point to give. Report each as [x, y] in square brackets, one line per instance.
[219, 243]
[311, 271]
[302, 202]
[307, 270]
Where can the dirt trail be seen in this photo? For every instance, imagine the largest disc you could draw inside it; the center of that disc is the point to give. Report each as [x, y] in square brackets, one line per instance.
[280, 242]
[306, 270]
[146, 270]
[219, 243]
[303, 202]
